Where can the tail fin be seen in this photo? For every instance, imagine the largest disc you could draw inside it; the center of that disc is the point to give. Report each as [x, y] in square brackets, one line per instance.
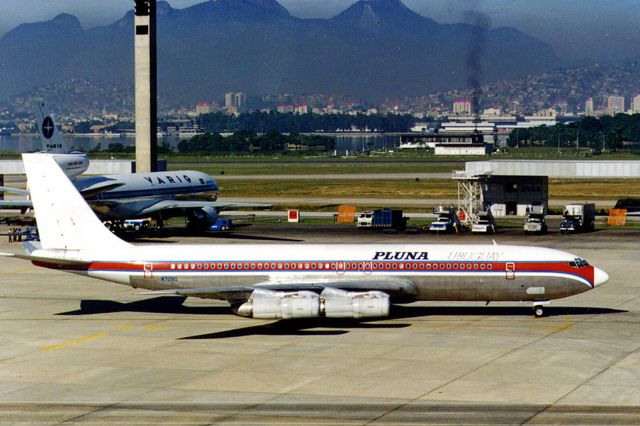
[65, 220]
[50, 136]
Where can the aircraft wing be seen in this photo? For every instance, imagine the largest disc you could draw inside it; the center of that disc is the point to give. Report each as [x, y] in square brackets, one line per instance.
[195, 204]
[395, 287]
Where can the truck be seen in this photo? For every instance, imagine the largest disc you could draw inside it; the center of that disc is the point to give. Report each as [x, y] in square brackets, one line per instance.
[381, 219]
[578, 218]
[486, 224]
[534, 222]
[446, 222]
[221, 225]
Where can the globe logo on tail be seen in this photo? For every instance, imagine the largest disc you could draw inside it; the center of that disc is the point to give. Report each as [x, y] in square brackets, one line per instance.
[47, 127]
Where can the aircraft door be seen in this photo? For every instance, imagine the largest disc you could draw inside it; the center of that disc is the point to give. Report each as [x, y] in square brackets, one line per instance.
[510, 271]
[148, 271]
[341, 268]
[367, 267]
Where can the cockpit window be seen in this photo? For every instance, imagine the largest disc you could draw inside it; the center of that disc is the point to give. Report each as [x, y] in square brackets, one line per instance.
[202, 181]
[578, 263]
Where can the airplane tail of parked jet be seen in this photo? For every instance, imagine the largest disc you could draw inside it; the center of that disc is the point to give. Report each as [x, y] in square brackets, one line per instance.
[65, 220]
[50, 136]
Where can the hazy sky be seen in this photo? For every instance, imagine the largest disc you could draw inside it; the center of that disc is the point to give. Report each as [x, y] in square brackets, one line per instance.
[568, 25]
[99, 12]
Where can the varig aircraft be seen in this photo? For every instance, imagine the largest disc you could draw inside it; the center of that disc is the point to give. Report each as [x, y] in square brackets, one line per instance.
[287, 281]
[127, 196]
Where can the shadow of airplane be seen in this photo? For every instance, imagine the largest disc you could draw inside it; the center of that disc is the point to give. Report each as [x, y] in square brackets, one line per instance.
[318, 326]
[306, 327]
[175, 305]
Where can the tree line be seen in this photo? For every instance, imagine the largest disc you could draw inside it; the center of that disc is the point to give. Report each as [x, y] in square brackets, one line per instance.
[604, 133]
[262, 122]
[249, 141]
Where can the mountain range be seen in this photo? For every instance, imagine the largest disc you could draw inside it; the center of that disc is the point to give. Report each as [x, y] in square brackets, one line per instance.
[373, 49]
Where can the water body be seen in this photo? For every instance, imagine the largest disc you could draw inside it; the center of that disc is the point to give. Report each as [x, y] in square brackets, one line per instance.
[344, 143]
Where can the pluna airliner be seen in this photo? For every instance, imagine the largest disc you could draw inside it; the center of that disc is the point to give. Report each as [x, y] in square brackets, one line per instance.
[291, 280]
[117, 197]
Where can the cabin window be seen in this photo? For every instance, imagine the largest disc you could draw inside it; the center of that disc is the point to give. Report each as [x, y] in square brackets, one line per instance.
[482, 266]
[233, 266]
[489, 266]
[462, 266]
[199, 265]
[219, 266]
[428, 266]
[455, 266]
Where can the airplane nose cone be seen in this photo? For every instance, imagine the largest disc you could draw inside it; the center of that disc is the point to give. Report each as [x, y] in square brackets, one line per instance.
[599, 276]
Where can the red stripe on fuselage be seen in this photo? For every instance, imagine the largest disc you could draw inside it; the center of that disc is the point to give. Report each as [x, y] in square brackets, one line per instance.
[586, 272]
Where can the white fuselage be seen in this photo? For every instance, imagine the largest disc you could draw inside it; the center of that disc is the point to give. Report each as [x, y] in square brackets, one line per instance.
[423, 272]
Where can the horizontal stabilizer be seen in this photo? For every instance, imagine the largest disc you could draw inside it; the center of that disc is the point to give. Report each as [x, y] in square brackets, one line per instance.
[48, 260]
[14, 190]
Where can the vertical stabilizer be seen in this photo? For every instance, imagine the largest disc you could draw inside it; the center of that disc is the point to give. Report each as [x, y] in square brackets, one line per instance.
[50, 136]
[65, 220]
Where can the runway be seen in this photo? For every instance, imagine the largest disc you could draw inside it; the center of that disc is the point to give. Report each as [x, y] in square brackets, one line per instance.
[86, 351]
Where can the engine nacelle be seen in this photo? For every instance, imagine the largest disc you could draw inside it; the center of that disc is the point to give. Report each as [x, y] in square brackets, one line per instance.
[267, 304]
[73, 164]
[202, 219]
[343, 304]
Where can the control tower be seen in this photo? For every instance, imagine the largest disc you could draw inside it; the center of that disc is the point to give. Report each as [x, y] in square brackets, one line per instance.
[146, 86]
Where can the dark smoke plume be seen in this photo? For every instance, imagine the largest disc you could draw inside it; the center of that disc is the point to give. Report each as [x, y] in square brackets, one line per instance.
[481, 23]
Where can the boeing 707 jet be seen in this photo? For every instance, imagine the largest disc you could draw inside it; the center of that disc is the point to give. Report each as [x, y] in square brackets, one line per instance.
[284, 281]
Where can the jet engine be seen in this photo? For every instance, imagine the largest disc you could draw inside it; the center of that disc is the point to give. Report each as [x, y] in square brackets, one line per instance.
[343, 304]
[202, 219]
[332, 303]
[73, 164]
[267, 304]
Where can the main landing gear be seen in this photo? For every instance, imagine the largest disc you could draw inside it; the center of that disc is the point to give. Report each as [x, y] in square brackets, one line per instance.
[539, 308]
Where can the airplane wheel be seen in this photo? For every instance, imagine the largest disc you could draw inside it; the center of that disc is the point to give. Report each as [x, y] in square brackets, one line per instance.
[538, 311]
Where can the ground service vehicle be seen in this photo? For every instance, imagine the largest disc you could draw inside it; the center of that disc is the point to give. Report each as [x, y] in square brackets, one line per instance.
[221, 225]
[578, 218]
[486, 223]
[534, 222]
[447, 221]
[382, 218]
